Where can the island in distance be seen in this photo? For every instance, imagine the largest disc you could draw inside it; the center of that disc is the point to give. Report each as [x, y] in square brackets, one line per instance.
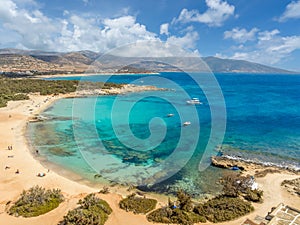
[33, 62]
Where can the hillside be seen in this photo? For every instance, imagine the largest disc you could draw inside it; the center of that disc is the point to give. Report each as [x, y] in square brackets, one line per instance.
[239, 66]
[39, 62]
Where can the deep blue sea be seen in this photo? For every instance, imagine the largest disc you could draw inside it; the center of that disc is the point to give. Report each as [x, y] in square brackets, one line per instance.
[130, 139]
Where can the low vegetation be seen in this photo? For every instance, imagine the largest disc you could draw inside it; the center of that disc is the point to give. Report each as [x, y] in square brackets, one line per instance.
[236, 185]
[137, 204]
[179, 212]
[92, 211]
[36, 201]
[254, 195]
[104, 190]
[177, 216]
[263, 173]
[228, 206]
[222, 208]
[17, 89]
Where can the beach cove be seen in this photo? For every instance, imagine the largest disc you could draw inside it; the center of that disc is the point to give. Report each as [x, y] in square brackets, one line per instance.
[272, 113]
[13, 123]
[14, 119]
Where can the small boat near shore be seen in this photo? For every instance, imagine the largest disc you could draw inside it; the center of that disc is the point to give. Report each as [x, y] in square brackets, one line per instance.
[187, 123]
[194, 101]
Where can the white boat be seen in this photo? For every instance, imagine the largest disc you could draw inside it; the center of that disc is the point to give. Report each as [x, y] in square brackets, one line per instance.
[186, 123]
[194, 101]
[170, 115]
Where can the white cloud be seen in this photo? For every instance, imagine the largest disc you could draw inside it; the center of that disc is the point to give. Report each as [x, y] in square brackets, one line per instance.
[281, 46]
[267, 35]
[81, 33]
[188, 41]
[270, 48]
[292, 11]
[164, 29]
[31, 29]
[152, 48]
[7, 9]
[34, 30]
[241, 35]
[218, 11]
[242, 56]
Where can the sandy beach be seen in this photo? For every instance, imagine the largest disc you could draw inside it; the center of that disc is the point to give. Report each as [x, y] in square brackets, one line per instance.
[13, 119]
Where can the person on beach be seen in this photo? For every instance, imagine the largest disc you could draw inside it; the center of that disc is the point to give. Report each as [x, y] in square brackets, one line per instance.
[17, 171]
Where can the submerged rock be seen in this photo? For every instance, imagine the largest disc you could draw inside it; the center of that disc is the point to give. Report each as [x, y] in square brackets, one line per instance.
[60, 152]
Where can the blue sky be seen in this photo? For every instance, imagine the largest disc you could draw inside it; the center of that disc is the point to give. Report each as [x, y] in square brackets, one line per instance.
[263, 31]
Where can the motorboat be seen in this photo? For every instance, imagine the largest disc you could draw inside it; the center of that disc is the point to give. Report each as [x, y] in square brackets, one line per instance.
[194, 101]
[186, 123]
[170, 115]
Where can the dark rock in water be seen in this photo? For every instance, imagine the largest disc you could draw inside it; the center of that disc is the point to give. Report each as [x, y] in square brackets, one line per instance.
[97, 176]
[60, 152]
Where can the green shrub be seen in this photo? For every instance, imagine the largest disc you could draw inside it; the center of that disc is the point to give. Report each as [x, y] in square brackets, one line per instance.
[223, 208]
[17, 89]
[137, 204]
[254, 195]
[162, 215]
[180, 212]
[3, 102]
[36, 201]
[92, 211]
[177, 216]
[235, 185]
[18, 97]
[185, 201]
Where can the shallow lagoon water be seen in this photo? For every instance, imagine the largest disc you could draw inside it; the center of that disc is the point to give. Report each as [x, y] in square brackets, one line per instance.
[263, 122]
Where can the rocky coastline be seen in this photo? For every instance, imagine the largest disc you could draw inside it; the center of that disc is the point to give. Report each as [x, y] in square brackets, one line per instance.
[247, 165]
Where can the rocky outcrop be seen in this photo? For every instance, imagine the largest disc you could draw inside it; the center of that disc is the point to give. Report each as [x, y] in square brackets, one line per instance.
[292, 186]
[224, 162]
[247, 165]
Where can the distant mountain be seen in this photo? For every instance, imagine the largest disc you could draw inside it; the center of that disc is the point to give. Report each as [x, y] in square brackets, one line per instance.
[26, 52]
[41, 62]
[73, 58]
[239, 66]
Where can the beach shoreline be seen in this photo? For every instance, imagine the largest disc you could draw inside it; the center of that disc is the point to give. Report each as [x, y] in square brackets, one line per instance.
[88, 74]
[13, 119]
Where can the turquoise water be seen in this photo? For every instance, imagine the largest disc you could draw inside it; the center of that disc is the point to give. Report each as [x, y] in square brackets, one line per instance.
[141, 145]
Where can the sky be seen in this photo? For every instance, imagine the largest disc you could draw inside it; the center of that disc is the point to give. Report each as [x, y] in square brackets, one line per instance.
[262, 31]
